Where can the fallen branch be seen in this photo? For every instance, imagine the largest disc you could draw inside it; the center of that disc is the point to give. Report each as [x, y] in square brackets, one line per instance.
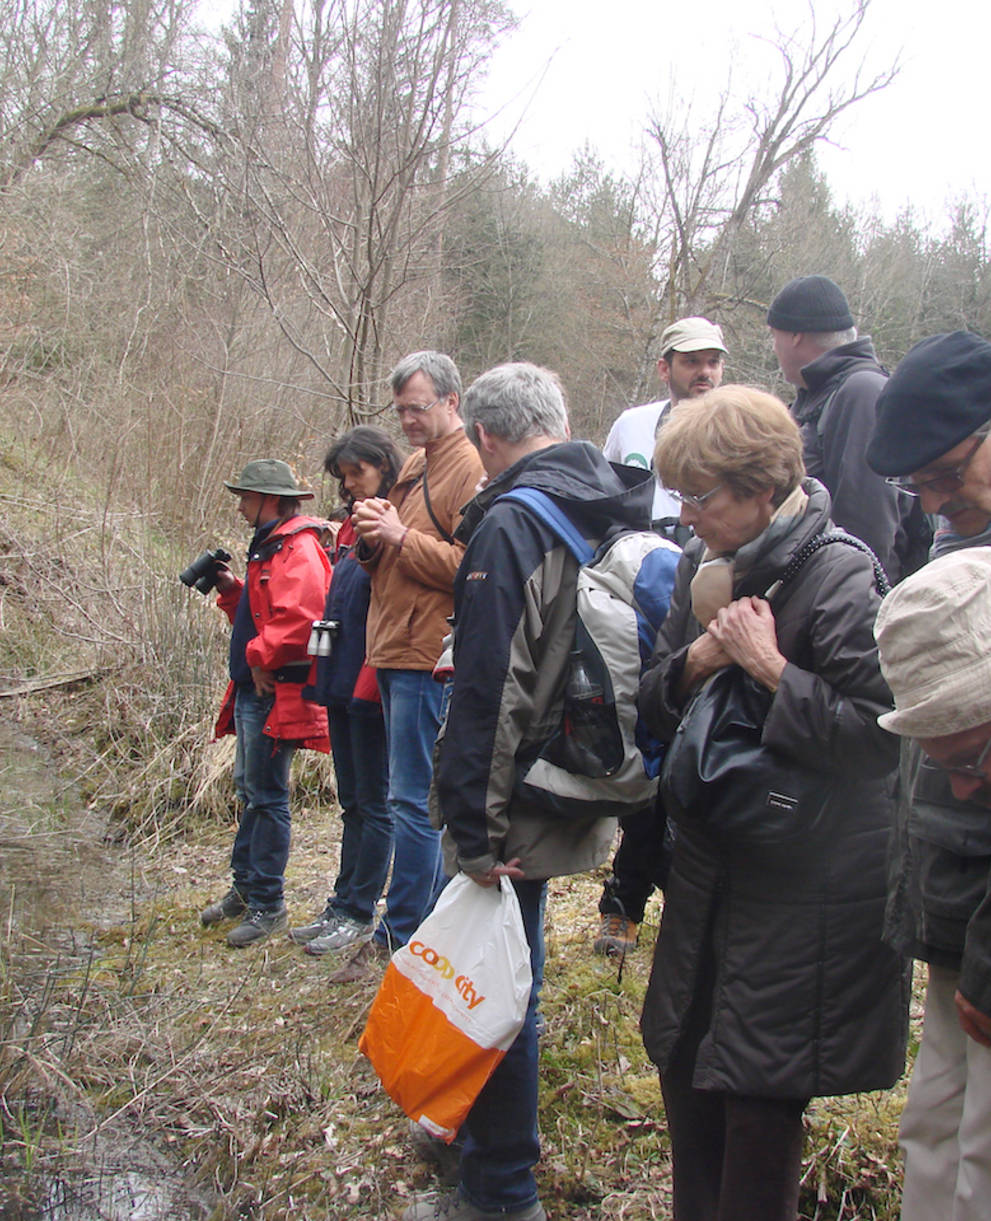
[56, 680]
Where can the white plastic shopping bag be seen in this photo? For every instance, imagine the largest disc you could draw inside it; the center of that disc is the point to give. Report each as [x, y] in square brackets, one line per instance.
[452, 1001]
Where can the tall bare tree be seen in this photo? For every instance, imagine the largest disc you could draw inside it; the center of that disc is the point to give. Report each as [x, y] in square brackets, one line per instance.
[717, 172]
[341, 212]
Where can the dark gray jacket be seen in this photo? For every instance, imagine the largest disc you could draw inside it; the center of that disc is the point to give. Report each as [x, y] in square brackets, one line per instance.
[835, 412]
[939, 907]
[807, 999]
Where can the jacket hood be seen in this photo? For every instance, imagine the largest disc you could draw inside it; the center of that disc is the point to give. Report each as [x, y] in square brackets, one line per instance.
[261, 542]
[293, 525]
[599, 497]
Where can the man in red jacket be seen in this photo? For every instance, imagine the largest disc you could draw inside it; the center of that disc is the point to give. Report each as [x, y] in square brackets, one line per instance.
[271, 613]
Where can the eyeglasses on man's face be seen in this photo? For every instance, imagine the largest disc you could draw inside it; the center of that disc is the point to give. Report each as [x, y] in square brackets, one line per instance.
[971, 771]
[695, 502]
[942, 481]
[414, 408]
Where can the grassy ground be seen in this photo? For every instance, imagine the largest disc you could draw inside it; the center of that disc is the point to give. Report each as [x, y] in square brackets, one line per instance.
[122, 1020]
[244, 1064]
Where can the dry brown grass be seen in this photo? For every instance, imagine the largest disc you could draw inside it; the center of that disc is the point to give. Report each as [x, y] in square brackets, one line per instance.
[243, 1064]
[121, 1019]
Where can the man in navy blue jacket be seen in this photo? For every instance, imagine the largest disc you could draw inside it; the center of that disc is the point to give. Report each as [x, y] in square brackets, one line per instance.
[514, 601]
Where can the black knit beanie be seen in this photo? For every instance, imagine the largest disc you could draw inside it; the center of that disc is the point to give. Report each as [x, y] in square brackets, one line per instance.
[810, 303]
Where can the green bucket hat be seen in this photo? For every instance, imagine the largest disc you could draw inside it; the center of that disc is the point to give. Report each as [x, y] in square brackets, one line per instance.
[270, 477]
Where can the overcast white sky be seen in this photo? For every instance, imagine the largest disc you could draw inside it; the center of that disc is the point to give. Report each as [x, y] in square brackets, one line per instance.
[922, 141]
[590, 70]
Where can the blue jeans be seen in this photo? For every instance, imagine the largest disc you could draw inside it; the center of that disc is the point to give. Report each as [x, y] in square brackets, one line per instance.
[362, 767]
[411, 701]
[261, 778]
[501, 1141]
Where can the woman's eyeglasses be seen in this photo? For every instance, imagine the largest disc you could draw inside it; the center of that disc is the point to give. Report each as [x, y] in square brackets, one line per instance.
[695, 502]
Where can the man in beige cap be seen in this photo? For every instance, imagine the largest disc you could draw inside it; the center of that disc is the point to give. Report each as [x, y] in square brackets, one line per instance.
[692, 354]
[934, 637]
[692, 358]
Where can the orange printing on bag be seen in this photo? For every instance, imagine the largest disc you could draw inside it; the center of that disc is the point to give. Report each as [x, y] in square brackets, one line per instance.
[463, 984]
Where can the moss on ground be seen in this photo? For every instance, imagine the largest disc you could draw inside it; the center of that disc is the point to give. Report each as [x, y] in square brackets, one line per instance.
[245, 1065]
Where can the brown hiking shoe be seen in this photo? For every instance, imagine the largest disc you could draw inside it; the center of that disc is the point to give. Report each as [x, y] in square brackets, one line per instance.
[229, 907]
[617, 935]
[367, 962]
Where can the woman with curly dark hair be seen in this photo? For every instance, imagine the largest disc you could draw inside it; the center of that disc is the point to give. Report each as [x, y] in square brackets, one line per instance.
[366, 461]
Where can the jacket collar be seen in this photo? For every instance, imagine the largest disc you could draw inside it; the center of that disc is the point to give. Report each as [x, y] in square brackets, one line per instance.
[434, 453]
[599, 496]
[774, 549]
[839, 362]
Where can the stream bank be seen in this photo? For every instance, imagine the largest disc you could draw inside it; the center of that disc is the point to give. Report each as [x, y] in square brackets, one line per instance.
[61, 879]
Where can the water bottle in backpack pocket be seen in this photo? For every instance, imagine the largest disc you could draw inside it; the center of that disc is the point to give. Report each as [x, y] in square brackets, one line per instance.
[600, 760]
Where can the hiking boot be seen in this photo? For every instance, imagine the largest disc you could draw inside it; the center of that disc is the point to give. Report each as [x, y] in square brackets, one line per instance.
[259, 923]
[346, 932]
[326, 922]
[229, 907]
[454, 1207]
[367, 962]
[443, 1158]
[617, 935]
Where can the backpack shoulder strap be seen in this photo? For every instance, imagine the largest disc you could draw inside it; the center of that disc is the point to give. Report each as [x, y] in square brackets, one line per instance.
[553, 516]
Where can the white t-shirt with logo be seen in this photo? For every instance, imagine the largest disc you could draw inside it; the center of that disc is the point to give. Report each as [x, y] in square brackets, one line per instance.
[631, 441]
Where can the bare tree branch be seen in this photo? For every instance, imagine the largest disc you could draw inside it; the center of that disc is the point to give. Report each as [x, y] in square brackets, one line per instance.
[712, 188]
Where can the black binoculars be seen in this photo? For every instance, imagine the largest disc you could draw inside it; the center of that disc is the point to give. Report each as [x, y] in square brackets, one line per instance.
[202, 572]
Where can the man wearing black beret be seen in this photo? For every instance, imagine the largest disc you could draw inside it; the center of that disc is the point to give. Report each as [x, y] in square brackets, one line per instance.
[931, 438]
[838, 379]
[933, 420]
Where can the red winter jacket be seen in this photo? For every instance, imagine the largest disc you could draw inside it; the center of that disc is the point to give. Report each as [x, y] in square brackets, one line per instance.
[288, 581]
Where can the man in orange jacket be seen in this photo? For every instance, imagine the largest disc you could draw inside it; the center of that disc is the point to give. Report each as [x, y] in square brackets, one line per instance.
[407, 542]
[271, 613]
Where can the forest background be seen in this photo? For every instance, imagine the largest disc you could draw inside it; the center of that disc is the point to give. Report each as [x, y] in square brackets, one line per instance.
[214, 244]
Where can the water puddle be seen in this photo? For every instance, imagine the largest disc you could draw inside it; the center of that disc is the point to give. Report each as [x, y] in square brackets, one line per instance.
[144, 1188]
[57, 875]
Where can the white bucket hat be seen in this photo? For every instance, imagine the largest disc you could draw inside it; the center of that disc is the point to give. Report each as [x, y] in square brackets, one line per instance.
[934, 635]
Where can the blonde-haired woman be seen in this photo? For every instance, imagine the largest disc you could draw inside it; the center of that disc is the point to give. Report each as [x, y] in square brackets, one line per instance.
[770, 982]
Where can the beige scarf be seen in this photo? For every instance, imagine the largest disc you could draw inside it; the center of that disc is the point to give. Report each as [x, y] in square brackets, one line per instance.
[712, 585]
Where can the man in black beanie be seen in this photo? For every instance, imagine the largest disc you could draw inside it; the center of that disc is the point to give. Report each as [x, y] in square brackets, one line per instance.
[838, 378]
